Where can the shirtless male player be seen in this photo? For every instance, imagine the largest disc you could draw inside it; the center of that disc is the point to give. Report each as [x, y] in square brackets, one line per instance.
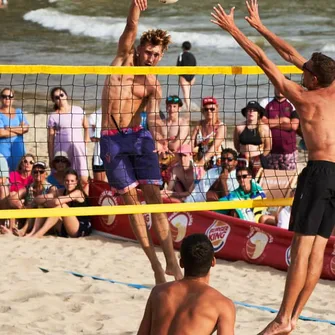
[313, 211]
[190, 306]
[128, 148]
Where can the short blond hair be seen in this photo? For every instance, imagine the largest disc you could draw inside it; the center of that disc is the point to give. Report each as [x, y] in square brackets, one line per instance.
[156, 37]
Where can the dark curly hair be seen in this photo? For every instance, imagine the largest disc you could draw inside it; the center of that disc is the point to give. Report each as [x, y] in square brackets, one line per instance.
[196, 254]
[324, 68]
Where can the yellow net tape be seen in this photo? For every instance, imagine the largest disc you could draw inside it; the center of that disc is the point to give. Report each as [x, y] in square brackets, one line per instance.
[138, 70]
[134, 209]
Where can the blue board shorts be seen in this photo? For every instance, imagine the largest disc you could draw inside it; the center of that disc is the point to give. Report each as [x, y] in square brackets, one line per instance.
[129, 158]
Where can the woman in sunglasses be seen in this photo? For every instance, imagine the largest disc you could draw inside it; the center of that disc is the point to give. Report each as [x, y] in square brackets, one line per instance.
[208, 135]
[59, 164]
[66, 126]
[13, 125]
[252, 138]
[72, 195]
[26, 196]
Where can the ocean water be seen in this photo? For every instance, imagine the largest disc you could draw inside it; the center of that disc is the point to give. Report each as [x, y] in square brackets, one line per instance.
[86, 32]
[82, 32]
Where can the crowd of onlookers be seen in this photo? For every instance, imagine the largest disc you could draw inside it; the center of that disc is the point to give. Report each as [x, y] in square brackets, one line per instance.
[197, 167]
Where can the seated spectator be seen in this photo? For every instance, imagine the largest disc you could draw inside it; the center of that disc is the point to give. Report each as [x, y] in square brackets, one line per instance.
[280, 219]
[208, 135]
[4, 183]
[22, 176]
[72, 195]
[184, 174]
[98, 168]
[283, 121]
[252, 138]
[25, 197]
[210, 183]
[227, 181]
[59, 164]
[247, 190]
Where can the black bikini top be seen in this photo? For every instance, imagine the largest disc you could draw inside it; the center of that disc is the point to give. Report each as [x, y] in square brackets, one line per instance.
[250, 136]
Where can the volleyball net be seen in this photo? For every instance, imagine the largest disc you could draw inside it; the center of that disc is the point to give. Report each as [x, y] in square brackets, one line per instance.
[232, 87]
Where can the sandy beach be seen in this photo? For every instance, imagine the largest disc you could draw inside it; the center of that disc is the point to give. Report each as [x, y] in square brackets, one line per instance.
[33, 302]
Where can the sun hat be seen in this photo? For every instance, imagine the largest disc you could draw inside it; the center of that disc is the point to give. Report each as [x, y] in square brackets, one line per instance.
[253, 105]
[60, 154]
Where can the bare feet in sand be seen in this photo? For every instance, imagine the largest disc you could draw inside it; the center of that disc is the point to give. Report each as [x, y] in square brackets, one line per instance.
[277, 327]
[5, 230]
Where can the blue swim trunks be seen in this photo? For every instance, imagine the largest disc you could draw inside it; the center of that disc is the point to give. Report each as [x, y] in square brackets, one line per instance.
[129, 158]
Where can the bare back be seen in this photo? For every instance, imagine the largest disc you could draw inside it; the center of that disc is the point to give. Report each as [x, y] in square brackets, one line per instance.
[317, 117]
[188, 307]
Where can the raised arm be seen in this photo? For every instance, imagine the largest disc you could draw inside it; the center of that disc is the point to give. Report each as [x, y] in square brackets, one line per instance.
[290, 89]
[285, 50]
[127, 39]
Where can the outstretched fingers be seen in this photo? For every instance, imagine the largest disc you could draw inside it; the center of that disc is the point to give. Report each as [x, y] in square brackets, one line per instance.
[253, 19]
[222, 19]
[141, 4]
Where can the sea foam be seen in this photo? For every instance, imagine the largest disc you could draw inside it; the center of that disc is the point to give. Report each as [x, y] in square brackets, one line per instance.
[112, 28]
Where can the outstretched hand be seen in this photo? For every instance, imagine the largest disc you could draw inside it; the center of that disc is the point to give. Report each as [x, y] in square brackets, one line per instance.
[141, 4]
[253, 19]
[223, 20]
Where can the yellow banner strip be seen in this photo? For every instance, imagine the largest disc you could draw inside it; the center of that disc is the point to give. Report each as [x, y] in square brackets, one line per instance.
[141, 209]
[139, 70]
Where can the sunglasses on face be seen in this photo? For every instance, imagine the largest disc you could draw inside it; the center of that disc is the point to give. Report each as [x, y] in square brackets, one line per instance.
[243, 176]
[57, 97]
[212, 109]
[28, 162]
[36, 172]
[60, 160]
[7, 96]
[305, 67]
[175, 100]
[229, 159]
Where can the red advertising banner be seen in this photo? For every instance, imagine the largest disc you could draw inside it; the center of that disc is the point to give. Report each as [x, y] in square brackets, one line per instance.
[233, 239]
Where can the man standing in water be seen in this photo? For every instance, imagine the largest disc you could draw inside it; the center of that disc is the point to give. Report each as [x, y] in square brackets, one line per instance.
[313, 211]
[190, 305]
[127, 147]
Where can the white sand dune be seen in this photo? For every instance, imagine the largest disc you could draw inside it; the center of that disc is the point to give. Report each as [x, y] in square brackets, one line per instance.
[33, 302]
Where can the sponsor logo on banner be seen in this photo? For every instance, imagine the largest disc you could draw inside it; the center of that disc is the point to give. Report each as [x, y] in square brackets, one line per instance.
[218, 233]
[257, 241]
[288, 256]
[106, 199]
[332, 262]
[178, 225]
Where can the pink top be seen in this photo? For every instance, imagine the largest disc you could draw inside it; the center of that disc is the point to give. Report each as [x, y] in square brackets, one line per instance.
[17, 181]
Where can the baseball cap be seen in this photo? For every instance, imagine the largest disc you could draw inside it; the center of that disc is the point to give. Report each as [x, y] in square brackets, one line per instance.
[253, 105]
[40, 164]
[174, 99]
[209, 100]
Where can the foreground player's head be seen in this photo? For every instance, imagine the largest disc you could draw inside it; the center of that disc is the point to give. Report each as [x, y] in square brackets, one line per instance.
[196, 255]
[153, 44]
[319, 71]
